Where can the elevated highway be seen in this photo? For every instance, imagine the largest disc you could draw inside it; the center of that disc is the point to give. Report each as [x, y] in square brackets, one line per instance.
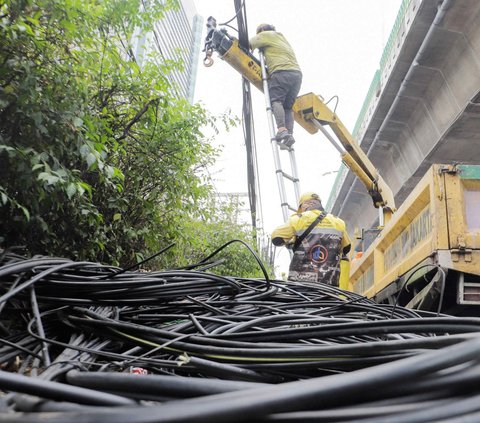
[423, 106]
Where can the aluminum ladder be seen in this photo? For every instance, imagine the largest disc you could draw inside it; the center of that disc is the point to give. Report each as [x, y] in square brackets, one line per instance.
[280, 174]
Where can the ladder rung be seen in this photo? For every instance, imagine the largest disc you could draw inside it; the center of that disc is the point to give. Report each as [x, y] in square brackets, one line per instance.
[289, 206]
[287, 176]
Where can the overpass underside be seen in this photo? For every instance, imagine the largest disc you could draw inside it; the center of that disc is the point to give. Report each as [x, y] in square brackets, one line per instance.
[426, 107]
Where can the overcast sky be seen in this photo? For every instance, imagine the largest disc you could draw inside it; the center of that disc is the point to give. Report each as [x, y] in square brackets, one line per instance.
[338, 44]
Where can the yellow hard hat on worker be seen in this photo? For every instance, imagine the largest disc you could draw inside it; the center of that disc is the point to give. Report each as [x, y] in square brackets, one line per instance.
[307, 196]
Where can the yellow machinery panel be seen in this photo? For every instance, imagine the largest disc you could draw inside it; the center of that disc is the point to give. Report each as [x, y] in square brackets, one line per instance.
[438, 226]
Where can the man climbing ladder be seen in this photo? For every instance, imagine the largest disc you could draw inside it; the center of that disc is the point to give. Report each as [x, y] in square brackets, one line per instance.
[285, 79]
[282, 143]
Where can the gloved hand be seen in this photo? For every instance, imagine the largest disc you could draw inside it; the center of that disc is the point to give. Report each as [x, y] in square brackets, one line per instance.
[278, 242]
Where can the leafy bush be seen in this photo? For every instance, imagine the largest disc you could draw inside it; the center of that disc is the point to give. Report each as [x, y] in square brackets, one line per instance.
[212, 232]
[98, 158]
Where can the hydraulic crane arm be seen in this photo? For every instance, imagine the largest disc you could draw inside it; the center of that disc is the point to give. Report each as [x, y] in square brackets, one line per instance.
[310, 112]
[313, 114]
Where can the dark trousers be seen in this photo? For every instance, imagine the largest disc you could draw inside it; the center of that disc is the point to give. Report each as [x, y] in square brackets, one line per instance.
[283, 87]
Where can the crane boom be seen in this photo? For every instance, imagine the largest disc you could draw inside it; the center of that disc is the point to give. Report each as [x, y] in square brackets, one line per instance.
[427, 256]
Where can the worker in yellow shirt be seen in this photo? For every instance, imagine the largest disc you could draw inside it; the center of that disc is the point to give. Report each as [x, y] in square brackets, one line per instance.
[319, 241]
[284, 79]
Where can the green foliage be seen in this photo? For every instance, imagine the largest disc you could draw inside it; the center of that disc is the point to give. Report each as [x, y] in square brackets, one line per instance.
[200, 238]
[99, 159]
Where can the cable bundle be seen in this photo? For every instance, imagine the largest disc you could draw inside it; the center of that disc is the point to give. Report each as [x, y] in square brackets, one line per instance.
[217, 348]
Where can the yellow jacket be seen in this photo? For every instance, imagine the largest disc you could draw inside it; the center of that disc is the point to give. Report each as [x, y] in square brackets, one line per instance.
[279, 54]
[318, 257]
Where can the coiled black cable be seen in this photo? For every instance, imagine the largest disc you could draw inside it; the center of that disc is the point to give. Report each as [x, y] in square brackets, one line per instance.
[310, 352]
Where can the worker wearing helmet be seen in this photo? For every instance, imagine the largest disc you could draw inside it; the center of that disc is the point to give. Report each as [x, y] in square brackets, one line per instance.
[325, 242]
[285, 79]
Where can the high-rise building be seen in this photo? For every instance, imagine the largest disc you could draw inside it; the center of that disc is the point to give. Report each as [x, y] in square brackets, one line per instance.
[175, 37]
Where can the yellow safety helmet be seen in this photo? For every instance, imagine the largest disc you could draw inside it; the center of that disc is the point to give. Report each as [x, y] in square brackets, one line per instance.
[306, 197]
[265, 27]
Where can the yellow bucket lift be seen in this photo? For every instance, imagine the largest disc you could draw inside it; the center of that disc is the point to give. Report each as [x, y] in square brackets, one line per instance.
[427, 253]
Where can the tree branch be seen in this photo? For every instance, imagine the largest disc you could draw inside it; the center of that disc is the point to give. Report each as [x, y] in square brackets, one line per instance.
[136, 118]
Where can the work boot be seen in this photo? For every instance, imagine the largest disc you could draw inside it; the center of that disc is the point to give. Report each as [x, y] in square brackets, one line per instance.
[286, 143]
[289, 141]
[281, 135]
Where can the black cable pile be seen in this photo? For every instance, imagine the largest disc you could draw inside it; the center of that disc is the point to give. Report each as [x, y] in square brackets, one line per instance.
[219, 348]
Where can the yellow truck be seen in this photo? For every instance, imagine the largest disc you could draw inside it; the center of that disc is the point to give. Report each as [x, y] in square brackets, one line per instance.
[426, 254]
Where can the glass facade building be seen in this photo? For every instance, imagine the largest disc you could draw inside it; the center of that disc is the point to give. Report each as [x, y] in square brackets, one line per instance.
[176, 37]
